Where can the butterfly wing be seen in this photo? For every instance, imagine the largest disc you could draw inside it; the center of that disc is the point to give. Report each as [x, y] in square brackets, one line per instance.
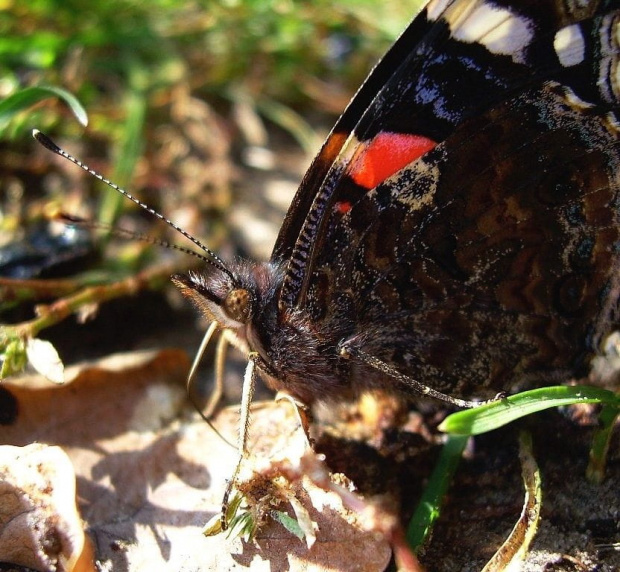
[316, 175]
[512, 271]
[467, 229]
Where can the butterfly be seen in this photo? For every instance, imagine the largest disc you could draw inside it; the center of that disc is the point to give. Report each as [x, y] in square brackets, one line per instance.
[458, 232]
[457, 235]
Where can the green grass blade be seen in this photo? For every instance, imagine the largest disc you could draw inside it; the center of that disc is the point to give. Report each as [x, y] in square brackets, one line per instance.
[600, 443]
[494, 415]
[290, 121]
[130, 144]
[289, 523]
[429, 506]
[25, 98]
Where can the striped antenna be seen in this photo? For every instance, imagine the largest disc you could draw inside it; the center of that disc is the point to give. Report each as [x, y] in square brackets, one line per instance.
[72, 220]
[211, 257]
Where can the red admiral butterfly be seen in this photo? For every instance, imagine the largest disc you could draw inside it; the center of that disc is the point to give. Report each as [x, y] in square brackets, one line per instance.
[458, 233]
[459, 228]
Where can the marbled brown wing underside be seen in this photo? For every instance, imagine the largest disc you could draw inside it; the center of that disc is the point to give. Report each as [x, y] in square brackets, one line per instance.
[493, 259]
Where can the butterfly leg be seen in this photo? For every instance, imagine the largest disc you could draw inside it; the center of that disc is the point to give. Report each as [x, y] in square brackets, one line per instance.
[408, 383]
[226, 339]
[218, 388]
[249, 382]
[192, 372]
[220, 362]
[304, 414]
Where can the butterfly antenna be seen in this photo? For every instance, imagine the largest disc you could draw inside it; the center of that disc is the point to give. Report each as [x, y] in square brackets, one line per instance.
[72, 220]
[212, 258]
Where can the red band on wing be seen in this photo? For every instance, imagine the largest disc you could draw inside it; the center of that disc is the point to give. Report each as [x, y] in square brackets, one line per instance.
[386, 154]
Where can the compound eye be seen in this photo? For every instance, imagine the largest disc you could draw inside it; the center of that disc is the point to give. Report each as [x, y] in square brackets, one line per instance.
[238, 304]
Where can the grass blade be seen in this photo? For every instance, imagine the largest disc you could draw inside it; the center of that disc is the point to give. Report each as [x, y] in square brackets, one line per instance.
[25, 98]
[428, 508]
[503, 411]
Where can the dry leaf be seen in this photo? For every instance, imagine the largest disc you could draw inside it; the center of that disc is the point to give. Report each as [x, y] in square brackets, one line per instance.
[39, 524]
[151, 473]
[511, 554]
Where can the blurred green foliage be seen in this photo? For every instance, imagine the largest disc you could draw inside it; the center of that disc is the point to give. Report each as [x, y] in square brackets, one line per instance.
[101, 50]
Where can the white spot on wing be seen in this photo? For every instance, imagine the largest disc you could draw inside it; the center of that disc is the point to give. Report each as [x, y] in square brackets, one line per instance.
[497, 29]
[435, 9]
[612, 122]
[575, 101]
[569, 45]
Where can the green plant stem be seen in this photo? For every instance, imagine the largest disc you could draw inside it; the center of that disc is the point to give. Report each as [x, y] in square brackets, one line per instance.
[429, 506]
[54, 313]
[600, 443]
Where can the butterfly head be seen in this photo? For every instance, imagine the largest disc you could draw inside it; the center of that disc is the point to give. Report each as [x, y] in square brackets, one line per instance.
[232, 295]
[220, 296]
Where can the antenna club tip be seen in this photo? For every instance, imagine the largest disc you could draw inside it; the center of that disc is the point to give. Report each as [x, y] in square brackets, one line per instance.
[44, 140]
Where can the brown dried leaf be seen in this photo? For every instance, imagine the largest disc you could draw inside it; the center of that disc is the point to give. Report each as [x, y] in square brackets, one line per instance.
[151, 473]
[39, 524]
[513, 551]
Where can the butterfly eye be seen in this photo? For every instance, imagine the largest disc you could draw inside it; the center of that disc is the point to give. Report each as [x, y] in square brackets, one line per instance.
[238, 304]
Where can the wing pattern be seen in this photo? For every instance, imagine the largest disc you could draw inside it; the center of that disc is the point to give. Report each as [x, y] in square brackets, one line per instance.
[465, 223]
